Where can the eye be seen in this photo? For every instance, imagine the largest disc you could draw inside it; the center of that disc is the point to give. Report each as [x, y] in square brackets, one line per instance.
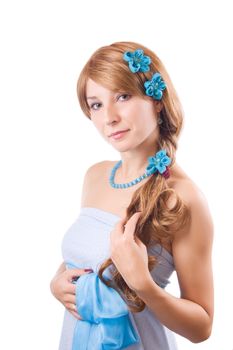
[93, 106]
[126, 97]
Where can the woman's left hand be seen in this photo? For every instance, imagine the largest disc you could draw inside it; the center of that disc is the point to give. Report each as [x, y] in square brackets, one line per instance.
[129, 254]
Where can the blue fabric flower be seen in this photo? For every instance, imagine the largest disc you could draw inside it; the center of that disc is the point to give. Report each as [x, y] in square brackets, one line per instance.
[138, 62]
[155, 86]
[159, 162]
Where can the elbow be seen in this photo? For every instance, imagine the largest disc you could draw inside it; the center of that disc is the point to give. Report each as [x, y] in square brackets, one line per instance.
[203, 335]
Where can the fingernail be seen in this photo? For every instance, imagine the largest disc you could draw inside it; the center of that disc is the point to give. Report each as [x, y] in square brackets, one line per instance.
[88, 270]
[75, 278]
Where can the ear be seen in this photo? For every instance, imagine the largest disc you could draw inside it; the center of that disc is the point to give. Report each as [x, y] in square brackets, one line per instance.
[158, 106]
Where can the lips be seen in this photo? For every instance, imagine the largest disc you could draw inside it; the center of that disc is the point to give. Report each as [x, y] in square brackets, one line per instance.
[118, 132]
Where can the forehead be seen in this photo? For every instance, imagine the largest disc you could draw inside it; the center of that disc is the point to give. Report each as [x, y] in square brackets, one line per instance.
[95, 90]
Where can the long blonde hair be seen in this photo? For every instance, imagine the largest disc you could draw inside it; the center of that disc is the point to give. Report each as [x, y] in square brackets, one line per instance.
[159, 221]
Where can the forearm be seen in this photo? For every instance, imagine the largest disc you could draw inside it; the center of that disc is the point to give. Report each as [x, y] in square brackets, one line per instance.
[61, 269]
[182, 316]
[54, 279]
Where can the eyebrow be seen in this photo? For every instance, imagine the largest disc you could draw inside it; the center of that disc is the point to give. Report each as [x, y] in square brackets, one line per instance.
[91, 98]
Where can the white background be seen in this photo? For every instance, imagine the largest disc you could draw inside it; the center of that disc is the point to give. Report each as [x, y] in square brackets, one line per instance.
[46, 143]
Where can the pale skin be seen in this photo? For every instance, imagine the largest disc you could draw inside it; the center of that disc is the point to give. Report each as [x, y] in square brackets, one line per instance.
[191, 315]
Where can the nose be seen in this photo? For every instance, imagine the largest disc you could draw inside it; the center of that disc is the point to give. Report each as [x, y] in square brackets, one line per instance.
[111, 115]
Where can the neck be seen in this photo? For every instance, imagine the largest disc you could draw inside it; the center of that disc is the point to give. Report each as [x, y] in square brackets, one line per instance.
[134, 163]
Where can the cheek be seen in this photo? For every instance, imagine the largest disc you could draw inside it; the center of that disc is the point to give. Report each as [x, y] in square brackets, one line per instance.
[97, 123]
[143, 116]
[100, 127]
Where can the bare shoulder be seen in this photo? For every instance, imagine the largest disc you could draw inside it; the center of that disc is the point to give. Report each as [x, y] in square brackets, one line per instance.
[201, 224]
[195, 199]
[93, 174]
[188, 190]
[201, 229]
[96, 169]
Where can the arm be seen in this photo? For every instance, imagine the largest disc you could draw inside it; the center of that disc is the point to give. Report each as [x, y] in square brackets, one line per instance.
[61, 269]
[92, 176]
[191, 315]
[61, 285]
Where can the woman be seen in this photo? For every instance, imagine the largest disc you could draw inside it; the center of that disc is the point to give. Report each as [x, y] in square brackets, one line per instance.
[141, 217]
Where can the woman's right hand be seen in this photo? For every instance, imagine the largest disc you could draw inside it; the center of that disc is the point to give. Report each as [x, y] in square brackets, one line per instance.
[63, 289]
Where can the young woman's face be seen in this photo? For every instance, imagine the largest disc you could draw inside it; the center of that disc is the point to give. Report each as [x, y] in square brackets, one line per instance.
[112, 112]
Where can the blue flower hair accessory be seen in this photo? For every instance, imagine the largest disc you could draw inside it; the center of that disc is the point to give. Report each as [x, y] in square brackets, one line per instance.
[155, 86]
[138, 62]
[159, 163]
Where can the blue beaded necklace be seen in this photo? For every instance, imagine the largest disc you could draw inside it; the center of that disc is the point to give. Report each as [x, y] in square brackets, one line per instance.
[128, 184]
[159, 163]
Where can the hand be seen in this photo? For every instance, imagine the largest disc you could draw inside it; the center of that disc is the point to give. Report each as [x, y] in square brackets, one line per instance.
[129, 254]
[63, 289]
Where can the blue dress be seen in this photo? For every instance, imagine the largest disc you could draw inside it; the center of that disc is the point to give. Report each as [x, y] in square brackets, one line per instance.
[86, 244]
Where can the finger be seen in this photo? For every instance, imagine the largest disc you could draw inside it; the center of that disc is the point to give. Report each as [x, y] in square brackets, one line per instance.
[70, 299]
[118, 229]
[74, 273]
[76, 315]
[72, 309]
[71, 288]
[140, 243]
[77, 272]
[131, 225]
